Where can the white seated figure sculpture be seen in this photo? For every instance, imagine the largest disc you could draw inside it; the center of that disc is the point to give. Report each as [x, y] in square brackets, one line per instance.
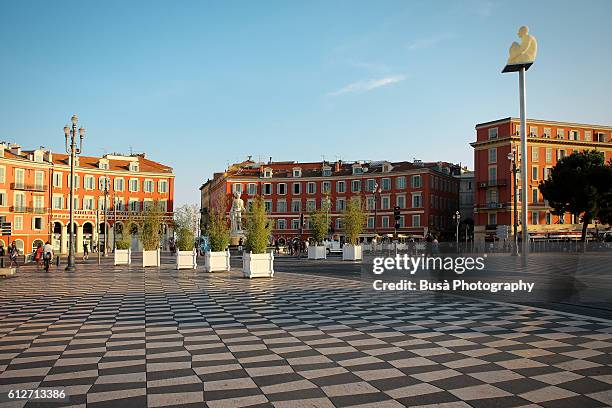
[526, 51]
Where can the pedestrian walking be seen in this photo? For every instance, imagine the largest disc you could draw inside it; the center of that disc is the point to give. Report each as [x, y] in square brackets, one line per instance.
[13, 253]
[48, 255]
[85, 250]
[38, 256]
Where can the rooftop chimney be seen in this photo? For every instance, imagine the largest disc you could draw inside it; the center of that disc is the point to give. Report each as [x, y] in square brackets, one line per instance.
[338, 165]
[16, 149]
[270, 161]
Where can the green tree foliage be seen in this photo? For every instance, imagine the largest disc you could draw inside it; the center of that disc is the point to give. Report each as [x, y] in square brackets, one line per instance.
[218, 230]
[354, 219]
[258, 227]
[319, 222]
[580, 184]
[185, 226]
[150, 233]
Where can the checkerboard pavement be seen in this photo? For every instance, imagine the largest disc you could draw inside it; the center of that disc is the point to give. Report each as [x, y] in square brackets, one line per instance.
[119, 337]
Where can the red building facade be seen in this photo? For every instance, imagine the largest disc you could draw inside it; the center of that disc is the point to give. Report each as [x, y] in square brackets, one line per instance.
[548, 141]
[35, 196]
[427, 194]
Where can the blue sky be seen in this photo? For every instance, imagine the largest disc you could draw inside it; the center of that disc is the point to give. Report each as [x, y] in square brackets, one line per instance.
[198, 84]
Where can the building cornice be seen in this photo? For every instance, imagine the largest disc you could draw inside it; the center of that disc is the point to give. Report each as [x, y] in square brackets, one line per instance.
[543, 122]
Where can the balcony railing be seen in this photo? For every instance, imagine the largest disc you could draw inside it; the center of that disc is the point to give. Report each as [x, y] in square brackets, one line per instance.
[493, 183]
[491, 205]
[30, 210]
[29, 187]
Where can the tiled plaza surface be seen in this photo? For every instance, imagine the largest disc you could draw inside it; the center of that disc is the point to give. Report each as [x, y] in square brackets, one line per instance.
[119, 337]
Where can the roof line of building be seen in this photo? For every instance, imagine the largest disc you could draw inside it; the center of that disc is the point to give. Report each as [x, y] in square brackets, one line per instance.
[542, 121]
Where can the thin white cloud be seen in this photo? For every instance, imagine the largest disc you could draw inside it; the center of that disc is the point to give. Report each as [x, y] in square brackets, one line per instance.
[367, 85]
[425, 43]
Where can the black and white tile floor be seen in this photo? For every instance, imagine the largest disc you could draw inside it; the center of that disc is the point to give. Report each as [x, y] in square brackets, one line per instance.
[128, 338]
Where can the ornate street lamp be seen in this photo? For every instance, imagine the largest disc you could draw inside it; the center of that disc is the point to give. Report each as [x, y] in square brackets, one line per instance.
[70, 133]
[457, 218]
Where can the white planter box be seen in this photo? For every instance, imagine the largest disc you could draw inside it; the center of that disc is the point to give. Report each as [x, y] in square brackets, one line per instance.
[186, 259]
[317, 252]
[257, 265]
[150, 258]
[123, 256]
[351, 252]
[216, 261]
[7, 271]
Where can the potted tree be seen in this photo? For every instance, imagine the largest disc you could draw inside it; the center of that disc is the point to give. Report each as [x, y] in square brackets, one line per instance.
[354, 219]
[150, 234]
[256, 262]
[218, 257]
[319, 223]
[123, 246]
[185, 224]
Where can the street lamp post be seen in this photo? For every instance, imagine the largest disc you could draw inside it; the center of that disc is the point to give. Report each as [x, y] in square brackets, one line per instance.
[375, 190]
[327, 207]
[513, 158]
[106, 194]
[457, 218]
[70, 134]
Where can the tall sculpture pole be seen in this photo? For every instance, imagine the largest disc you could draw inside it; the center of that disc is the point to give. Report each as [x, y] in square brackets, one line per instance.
[521, 57]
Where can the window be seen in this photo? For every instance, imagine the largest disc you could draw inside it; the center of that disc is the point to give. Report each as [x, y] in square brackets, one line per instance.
[400, 183]
[386, 184]
[148, 186]
[492, 218]
[134, 184]
[297, 188]
[297, 172]
[492, 174]
[104, 203]
[492, 197]
[416, 201]
[493, 155]
[385, 202]
[370, 185]
[37, 223]
[535, 154]
[18, 222]
[326, 187]
[281, 188]
[281, 206]
[162, 186]
[533, 131]
[103, 164]
[588, 136]
[548, 218]
[416, 220]
[326, 171]
[384, 221]
[311, 205]
[268, 206]
[560, 133]
[103, 183]
[75, 203]
[163, 205]
[251, 189]
[267, 173]
[600, 136]
[58, 202]
[534, 195]
[295, 224]
[88, 203]
[134, 166]
[39, 178]
[547, 133]
[311, 187]
[401, 201]
[120, 204]
[134, 204]
[370, 203]
[355, 186]
[371, 222]
[296, 206]
[237, 188]
[281, 224]
[89, 182]
[574, 135]
[339, 223]
[340, 187]
[560, 154]
[549, 155]
[2, 174]
[267, 188]
[416, 182]
[534, 173]
[340, 204]
[57, 179]
[547, 172]
[3, 198]
[534, 217]
[492, 133]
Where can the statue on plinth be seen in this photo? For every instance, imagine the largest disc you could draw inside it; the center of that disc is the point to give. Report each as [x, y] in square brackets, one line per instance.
[526, 51]
[236, 214]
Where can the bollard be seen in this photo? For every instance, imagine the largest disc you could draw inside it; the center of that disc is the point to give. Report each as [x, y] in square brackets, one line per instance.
[57, 261]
